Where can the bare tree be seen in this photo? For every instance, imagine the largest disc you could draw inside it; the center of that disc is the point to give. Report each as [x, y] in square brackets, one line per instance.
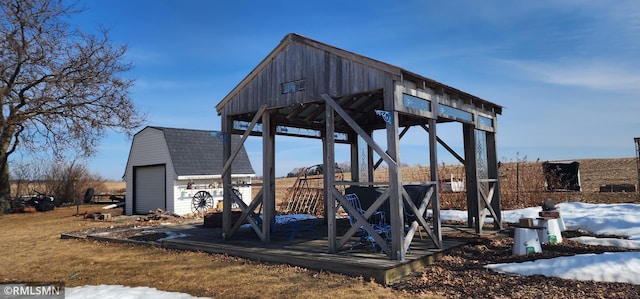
[60, 89]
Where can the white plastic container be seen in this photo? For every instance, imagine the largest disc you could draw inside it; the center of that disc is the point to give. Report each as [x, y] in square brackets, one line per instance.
[551, 233]
[526, 241]
[561, 224]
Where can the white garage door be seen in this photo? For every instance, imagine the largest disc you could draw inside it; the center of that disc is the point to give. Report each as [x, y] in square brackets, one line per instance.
[149, 190]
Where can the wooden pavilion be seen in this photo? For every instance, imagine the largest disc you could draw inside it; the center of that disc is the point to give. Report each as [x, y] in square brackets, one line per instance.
[310, 89]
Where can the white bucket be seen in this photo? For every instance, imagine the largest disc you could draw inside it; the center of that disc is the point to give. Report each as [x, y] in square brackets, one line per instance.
[551, 233]
[526, 241]
[561, 224]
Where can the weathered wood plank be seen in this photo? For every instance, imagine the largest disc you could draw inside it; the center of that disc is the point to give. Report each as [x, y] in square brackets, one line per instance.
[374, 266]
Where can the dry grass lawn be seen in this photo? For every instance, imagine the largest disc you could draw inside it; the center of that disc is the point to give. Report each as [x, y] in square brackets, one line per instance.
[33, 252]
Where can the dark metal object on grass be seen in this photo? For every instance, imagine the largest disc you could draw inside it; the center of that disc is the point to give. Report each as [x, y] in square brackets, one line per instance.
[548, 205]
[41, 202]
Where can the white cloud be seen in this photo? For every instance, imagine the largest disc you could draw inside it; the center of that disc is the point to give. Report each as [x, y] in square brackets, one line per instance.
[147, 57]
[600, 75]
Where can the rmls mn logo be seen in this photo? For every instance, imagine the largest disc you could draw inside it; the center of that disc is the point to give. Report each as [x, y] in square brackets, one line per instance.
[44, 290]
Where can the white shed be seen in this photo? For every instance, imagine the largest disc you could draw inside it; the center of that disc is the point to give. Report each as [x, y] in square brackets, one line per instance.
[167, 167]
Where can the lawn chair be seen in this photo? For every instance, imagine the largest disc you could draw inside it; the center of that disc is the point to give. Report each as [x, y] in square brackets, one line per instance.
[377, 221]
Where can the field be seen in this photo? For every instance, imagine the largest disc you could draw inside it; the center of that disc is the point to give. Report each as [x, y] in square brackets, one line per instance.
[593, 172]
[33, 251]
[522, 184]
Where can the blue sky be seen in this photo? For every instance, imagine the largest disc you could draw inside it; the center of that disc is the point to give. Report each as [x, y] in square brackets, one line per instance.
[567, 72]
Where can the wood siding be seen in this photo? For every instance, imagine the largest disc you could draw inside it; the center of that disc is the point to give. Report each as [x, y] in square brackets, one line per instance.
[183, 198]
[323, 72]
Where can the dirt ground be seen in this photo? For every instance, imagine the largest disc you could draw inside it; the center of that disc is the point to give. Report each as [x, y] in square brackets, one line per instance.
[461, 273]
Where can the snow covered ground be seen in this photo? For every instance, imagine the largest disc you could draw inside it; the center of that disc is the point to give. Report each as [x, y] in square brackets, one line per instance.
[122, 292]
[611, 219]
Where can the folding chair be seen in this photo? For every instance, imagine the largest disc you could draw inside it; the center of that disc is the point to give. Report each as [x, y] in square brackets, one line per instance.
[377, 221]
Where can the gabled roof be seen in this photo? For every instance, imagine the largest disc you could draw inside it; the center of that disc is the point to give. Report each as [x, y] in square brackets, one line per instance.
[199, 152]
[395, 72]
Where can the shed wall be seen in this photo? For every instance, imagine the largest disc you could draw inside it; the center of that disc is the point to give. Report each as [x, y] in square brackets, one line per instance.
[183, 196]
[148, 148]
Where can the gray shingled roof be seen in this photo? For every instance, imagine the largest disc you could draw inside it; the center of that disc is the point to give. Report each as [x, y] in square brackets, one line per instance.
[199, 152]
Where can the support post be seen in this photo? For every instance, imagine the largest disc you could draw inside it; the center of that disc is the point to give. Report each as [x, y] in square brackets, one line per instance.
[494, 173]
[369, 162]
[471, 169]
[268, 175]
[433, 166]
[395, 185]
[637, 141]
[227, 127]
[329, 161]
[354, 148]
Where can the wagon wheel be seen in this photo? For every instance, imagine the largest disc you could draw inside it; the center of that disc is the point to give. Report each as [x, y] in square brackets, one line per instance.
[202, 201]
